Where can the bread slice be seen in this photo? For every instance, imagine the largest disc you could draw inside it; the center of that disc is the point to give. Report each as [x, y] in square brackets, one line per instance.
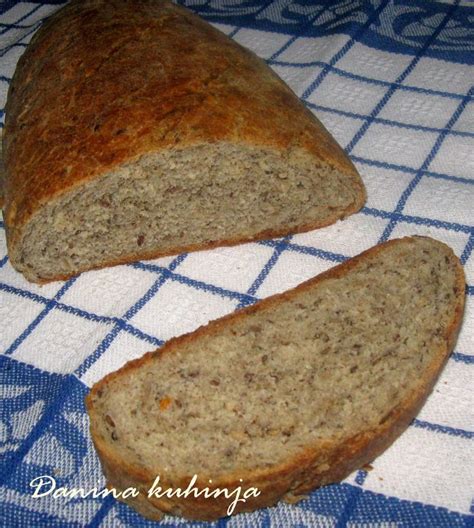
[292, 393]
[136, 130]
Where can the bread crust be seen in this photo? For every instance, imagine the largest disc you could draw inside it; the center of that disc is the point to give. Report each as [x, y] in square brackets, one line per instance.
[324, 463]
[2, 171]
[104, 82]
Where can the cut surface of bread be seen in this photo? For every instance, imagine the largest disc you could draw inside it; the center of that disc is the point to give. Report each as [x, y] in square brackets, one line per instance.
[136, 129]
[292, 393]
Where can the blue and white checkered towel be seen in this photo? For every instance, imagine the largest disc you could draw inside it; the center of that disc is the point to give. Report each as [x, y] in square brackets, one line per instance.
[393, 81]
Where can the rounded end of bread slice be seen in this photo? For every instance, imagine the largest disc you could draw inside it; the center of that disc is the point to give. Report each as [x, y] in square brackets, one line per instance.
[287, 395]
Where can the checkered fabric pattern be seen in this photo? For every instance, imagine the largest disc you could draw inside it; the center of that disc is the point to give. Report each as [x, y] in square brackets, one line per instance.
[394, 82]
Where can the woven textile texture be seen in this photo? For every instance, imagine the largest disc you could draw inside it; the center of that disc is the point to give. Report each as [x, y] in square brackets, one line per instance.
[394, 82]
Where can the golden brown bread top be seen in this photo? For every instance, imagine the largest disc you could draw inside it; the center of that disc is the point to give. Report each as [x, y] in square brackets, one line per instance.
[105, 81]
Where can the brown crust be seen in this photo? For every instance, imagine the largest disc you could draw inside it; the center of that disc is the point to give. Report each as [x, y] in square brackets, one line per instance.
[104, 82]
[2, 171]
[318, 465]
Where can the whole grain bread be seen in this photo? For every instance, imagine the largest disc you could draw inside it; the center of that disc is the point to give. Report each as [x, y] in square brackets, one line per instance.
[287, 395]
[134, 129]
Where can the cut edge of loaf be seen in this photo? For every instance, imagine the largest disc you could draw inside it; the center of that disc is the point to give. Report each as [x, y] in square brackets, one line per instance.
[302, 473]
[186, 199]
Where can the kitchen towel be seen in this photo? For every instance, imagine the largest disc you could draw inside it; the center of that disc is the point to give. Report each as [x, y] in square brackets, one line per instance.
[393, 82]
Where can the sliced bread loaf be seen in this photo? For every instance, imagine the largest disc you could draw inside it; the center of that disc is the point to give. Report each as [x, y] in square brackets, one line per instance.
[136, 129]
[292, 393]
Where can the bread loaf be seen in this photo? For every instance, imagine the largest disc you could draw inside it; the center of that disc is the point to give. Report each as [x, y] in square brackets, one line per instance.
[134, 129]
[292, 393]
